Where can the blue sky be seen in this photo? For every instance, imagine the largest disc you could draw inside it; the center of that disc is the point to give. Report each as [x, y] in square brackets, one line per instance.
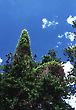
[47, 21]
[16, 15]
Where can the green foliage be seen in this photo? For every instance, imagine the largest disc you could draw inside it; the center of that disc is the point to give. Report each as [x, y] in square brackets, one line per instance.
[22, 60]
[52, 67]
[51, 56]
[23, 46]
[71, 53]
[74, 24]
[26, 86]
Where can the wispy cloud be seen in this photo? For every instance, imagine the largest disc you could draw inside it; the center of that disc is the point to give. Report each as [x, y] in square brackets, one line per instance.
[47, 23]
[70, 19]
[60, 36]
[1, 61]
[68, 35]
[58, 44]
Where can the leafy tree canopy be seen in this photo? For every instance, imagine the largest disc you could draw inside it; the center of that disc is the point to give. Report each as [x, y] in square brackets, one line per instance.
[24, 85]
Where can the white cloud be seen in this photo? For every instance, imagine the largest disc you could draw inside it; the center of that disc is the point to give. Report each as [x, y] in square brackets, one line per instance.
[70, 35]
[60, 36]
[72, 101]
[59, 43]
[52, 23]
[70, 19]
[47, 23]
[1, 61]
[57, 46]
[67, 68]
[70, 44]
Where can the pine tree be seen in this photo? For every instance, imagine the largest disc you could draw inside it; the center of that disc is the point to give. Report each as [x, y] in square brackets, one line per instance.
[22, 61]
[27, 88]
[70, 52]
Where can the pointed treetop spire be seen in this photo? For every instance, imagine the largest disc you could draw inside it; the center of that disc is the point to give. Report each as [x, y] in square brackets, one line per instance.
[23, 46]
[22, 56]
